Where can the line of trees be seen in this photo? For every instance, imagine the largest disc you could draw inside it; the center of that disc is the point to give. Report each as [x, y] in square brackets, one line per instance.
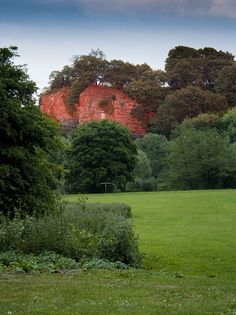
[201, 154]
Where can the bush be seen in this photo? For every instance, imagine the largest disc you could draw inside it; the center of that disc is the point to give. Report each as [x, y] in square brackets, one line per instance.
[45, 262]
[103, 264]
[115, 208]
[79, 232]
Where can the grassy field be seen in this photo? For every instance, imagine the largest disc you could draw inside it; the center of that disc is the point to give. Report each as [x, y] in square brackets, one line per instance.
[189, 241]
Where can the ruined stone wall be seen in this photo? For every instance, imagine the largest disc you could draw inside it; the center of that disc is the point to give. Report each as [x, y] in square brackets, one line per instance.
[95, 103]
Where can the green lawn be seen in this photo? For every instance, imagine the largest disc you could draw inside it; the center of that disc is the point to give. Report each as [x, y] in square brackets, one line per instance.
[189, 241]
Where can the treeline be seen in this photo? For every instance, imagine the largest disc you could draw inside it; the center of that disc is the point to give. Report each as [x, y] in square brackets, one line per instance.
[195, 81]
[201, 154]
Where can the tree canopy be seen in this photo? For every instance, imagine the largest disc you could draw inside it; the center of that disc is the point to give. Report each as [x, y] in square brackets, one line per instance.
[187, 103]
[154, 146]
[188, 66]
[226, 83]
[27, 139]
[200, 159]
[101, 151]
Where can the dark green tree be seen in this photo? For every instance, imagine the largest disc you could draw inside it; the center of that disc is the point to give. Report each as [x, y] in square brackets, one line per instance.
[119, 73]
[188, 66]
[27, 139]
[101, 151]
[187, 103]
[187, 71]
[154, 146]
[178, 53]
[226, 83]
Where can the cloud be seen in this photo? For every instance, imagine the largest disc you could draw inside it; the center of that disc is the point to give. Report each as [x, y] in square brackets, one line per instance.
[220, 8]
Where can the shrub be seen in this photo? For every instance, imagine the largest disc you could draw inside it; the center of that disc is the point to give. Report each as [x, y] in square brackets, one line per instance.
[103, 264]
[115, 208]
[44, 262]
[118, 242]
[79, 232]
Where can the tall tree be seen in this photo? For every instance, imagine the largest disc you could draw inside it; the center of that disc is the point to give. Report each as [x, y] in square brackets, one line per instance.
[188, 66]
[178, 53]
[27, 138]
[154, 146]
[101, 151]
[226, 83]
[187, 103]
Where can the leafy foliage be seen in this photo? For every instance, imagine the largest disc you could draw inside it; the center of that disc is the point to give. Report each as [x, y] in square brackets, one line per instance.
[187, 103]
[143, 180]
[26, 263]
[101, 151]
[79, 232]
[154, 146]
[226, 83]
[188, 66]
[200, 159]
[27, 182]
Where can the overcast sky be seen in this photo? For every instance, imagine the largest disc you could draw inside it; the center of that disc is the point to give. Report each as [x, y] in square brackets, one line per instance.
[50, 32]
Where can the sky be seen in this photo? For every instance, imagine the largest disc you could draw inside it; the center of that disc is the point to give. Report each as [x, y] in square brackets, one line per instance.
[48, 33]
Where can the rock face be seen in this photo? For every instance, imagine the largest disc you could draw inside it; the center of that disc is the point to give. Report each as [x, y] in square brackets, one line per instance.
[95, 103]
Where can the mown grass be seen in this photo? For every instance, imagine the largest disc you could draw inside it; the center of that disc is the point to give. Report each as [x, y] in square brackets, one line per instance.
[189, 241]
[192, 232]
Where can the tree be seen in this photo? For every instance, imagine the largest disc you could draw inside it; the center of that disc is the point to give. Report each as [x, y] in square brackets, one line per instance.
[101, 151]
[202, 121]
[187, 103]
[27, 139]
[143, 179]
[143, 167]
[226, 84]
[148, 90]
[200, 159]
[227, 125]
[178, 53]
[119, 73]
[187, 71]
[188, 66]
[154, 146]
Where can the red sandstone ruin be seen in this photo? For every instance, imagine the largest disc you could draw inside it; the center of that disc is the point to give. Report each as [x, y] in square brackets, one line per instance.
[95, 103]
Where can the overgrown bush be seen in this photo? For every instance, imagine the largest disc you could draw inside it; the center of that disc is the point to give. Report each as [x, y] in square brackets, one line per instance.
[78, 232]
[44, 262]
[115, 208]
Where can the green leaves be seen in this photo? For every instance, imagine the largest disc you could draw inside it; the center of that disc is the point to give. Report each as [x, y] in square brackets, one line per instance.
[100, 152]
[27, 138]
[200, 159]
